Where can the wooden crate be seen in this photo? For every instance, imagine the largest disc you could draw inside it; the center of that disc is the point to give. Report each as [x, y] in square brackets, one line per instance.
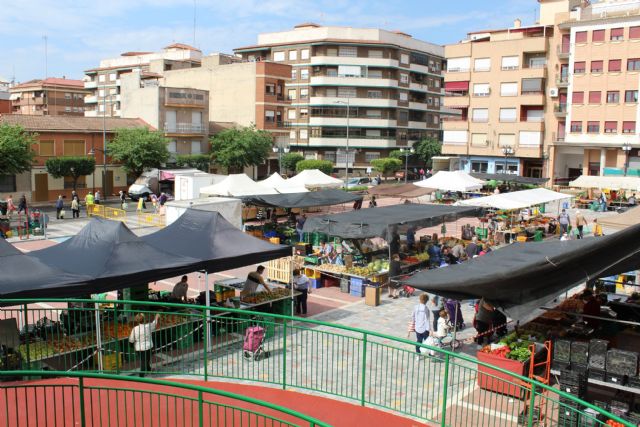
[280, 270]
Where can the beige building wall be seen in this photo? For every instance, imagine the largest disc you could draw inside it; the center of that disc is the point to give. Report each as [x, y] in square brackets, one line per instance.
[139, 101]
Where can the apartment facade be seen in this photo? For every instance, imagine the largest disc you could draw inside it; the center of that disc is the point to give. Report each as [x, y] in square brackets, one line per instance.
[104, 82]
[49, 97]
[67, 136]
[557, 99]
[181, 114]
[598, 110]
[379, 89]
[242, 93]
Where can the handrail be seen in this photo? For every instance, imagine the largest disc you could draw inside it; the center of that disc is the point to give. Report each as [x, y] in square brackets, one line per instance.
[365, 333]
[173, 384]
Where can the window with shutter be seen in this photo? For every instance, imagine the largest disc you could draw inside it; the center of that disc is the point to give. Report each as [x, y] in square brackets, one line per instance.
[509, 89]
[482, 64]
[47, 148]
[507, 114]
[634, 33]
[581, 37]
[579, 67]
[613, 97]
[628, 127]
[348, 51]
[597, 36]
[510, 62]
[593, 127]
[610, 127]
[576, 127]
[532, 85]
[480, 115]
[595, 97]
[278, 56]
[617, 34]
[577, 97]
[596, 66]
[615, 65]
[505, 139]
[481, 89]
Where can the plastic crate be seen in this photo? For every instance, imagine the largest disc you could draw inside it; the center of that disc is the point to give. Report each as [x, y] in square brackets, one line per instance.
[312, 273]
[562, 351]
[579, 353]
[597, 374]
[615, 378]
[344, 285]
[598, 354]
[359, 292]
[315, 283]
[622, 362]
[328, 282]
[356, 283]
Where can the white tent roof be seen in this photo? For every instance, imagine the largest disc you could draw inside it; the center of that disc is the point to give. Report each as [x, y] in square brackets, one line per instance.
[452, 181]
[236, 185]
[516, 199]
[281, 185]
[610, 182]
[314, 178]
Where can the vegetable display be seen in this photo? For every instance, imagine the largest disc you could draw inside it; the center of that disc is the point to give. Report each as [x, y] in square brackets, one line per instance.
[514, 346]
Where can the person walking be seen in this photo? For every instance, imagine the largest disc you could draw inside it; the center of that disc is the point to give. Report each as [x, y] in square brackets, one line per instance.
[421, 320]
[372, 202]
[140, 204]
[483, 321]
[11, 207]
[59, 208]
[564, 220]
[22, 204]
[301, 284]
[141, 338]
[602, 200]
[154, 203]
[75, 207]
[89, 200]
[123, 200]
[302, 218]
[394, 276]
[580, 224]
[97, 197]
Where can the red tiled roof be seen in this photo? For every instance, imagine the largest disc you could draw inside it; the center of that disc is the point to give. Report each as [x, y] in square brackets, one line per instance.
[70, 123]
[134, 53]
[182, 46]
[307, 24]
[51, 81]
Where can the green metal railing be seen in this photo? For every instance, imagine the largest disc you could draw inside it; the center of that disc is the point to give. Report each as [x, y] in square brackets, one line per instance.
[366, 367]
[93, 399]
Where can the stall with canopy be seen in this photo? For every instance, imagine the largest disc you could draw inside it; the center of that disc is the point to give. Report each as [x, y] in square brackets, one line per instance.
[313, 179]
[631, 183]
[236, 185]
[281, 185]
[505, 177]
[403, 191]
[516, 199]
[451, 181]
[307, 199]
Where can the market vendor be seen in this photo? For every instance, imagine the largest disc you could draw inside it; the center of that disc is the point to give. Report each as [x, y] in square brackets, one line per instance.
[255, 283]
[180, 290]
[591, 308]
[411, 237]
[327, 253]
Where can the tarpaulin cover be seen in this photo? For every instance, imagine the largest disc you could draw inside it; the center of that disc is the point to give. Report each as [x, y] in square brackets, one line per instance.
[508, 178]
[303, 200]
[451, 181]
[516, 199]
[408, 191]
[213, 241]
[113, 257]
[27, 277]
[525, 276]
[375, 222]
[611, 182]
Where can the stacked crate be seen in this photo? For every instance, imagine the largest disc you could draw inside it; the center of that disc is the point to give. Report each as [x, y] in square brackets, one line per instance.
[598, 359]
[356, 287]
[574, 383]
[561, 355]
[579, 356]
[621, 365]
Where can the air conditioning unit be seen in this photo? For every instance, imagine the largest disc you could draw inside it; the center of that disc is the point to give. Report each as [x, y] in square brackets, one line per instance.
[553, 92]
[316, 69]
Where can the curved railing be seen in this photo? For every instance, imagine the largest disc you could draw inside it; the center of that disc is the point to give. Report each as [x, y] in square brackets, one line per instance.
[363, 366]
[89, 399]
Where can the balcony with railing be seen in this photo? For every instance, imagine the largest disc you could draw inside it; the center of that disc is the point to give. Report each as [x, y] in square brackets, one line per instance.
[560, 110]
[185, 97]
[563, 50]
[184, 128]
[562, 80]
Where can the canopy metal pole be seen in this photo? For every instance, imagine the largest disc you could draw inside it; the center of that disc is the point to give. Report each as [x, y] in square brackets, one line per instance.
[98, 335]
[291, 267]
[208, 304]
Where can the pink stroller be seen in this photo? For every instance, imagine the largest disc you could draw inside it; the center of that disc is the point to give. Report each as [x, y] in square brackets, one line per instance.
[252, 347]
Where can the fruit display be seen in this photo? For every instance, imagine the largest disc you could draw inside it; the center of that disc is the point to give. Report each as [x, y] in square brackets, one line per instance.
[262, 297]
[332, 268]
[50, 348]
[423, 256]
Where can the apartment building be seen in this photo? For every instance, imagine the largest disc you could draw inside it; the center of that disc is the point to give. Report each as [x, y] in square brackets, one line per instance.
[5, 101]
[597, 109]
[240, 92]
[556, 99]
[181, 114]
[104, 81]
[49, 97]
[380, 90]
[67, 136]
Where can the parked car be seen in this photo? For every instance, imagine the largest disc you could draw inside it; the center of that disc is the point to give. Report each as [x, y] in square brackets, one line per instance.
[357, 182]
[139, 190]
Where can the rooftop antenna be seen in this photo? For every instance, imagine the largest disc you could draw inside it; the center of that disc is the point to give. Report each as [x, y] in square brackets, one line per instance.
[46, 65]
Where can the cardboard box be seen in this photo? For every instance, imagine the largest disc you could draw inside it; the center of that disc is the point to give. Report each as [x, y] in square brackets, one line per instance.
[372, 295]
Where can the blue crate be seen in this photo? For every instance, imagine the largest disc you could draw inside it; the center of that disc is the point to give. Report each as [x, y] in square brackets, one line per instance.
[356, 283]
[357, 292]
[315, 283]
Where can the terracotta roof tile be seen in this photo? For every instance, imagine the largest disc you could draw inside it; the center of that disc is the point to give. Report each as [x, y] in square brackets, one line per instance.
[181, 46]
[70, 123]
[51, 81]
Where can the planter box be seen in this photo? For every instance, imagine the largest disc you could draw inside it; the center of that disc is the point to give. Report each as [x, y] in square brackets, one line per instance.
[492, 380]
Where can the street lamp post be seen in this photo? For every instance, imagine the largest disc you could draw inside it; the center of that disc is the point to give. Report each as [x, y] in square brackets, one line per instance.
[406, 154]
[280, 150]
[507, 151]
[626, 147]
[347, 158]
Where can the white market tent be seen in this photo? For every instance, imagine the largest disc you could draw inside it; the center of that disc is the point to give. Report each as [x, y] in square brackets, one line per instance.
[281, 185]
[236, 185]
[451, 181]
[611, 182]
[516, 200]
[314, 178]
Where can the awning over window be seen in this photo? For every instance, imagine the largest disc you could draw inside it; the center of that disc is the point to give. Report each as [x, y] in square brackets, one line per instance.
[456, 86]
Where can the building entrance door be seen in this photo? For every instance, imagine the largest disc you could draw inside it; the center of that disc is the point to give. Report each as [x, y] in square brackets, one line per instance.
[42, 187]
[108, 183]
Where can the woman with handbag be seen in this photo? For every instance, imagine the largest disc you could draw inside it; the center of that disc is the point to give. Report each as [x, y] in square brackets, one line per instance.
[420, 318]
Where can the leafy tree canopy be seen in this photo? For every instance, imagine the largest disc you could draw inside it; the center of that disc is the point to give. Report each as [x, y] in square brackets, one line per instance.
[241, 147]
[197, 161]
[16, 155]
[139, 149]
[427, 148]
[386, 166]
[290, 160]
[75, 167]
[323, 165]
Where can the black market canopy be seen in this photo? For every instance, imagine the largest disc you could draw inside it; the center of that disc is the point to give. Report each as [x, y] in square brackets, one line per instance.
[505, 177]
[309, 199]
[525, 276]
[114, 258]
[408, 191]
[24, 276]
[376, 222]
[213, 241]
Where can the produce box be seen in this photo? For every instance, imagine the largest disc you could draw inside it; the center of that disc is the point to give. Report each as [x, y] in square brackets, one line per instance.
[356, 283]
[492, 380]
[344, 285]
[315, 283]
[372, 295]
[357, 292]
[312, 273]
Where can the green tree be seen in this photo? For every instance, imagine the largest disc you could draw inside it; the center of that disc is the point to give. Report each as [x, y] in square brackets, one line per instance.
[241, 147]
[396, 154]
[427, 148]
[323, 165]
[139, 149]
[16, 155]
[290, 160]
[197, 161]
[386, 166]
[75, 167]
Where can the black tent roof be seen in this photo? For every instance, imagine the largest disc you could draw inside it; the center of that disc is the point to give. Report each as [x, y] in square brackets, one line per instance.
[524, 276]
[214, 242]
[509, 178]
[375, 222]
[113, 257]
[24, 276]
[303, 200]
